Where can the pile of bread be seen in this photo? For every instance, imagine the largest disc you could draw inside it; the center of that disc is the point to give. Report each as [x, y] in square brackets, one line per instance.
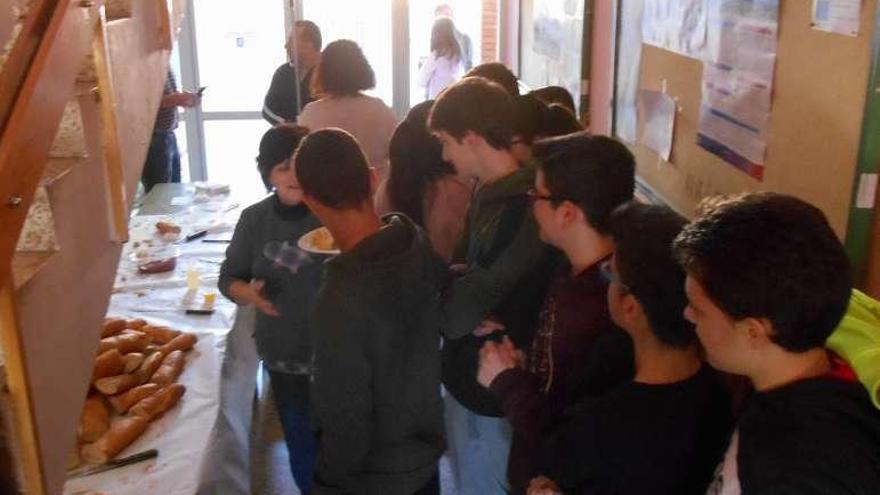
[135, 374]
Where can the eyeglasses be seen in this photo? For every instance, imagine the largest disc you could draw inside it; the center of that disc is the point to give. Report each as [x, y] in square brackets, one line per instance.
[534, 196]
[609, 275]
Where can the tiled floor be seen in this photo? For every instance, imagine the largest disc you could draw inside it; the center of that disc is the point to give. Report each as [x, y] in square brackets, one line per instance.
[270, 471]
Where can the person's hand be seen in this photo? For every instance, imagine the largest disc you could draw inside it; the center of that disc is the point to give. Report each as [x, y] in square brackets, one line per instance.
[494, 359]
[487, 327]
[182, 99]
[260, 302]
[543, 486]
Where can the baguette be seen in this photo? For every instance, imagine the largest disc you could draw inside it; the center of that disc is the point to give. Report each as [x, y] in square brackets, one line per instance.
[123, 402]
[170, 369]
[148, 367]
[125, 342]
[136, 323]
[94, 420]
[113, 385]
[133, 361]
[155, 405]
[160, 335]
[108, 364]
[120, 435]
[112, 326]
[183, 342]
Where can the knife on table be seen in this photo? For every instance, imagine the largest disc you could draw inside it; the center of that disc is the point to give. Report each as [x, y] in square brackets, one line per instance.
[116, 463]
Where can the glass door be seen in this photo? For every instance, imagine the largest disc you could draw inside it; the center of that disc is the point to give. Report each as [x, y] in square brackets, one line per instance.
[232, 50]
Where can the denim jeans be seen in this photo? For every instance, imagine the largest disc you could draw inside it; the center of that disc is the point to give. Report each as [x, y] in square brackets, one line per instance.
[292, 400]
[163, 160]
[479, 446]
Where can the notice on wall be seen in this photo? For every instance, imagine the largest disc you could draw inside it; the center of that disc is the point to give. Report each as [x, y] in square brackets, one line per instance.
[658, 114]
[676, 25]
[837, 16]
[738, 82]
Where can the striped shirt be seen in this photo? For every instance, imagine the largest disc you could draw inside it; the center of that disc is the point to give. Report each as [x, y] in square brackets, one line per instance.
[166, 119]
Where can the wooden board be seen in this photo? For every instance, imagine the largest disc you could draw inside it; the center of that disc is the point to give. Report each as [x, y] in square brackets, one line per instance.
[819, 96]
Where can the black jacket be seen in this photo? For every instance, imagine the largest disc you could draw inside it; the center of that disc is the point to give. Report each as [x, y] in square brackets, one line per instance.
[817, 436]
[282, 103]
[376, 392]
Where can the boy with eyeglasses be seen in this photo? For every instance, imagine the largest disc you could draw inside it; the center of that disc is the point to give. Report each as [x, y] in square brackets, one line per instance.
[580, 180]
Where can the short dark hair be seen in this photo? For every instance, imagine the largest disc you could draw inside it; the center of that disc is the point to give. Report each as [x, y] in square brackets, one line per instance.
[554, 94]
[773, 256]
[278, 144]
[643, 236]
[560, 121]
[596, 173]
[343, 70]
[477, 105]
[530, 118]
[311, 32]
[332, 168]
[499, 73]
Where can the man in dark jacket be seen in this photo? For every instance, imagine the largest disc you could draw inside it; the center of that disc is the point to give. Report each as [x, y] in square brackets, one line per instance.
[767, 283]
[376, 392]
[474, 121]
[289, 91]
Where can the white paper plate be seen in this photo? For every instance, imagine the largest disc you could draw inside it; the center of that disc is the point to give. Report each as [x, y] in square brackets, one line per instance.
[307, 242]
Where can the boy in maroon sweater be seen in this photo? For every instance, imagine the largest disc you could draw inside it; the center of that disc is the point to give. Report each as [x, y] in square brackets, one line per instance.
[581, 179]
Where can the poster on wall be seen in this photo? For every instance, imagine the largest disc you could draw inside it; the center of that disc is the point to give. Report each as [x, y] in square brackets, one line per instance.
[738, 82]
[837, 16]
[552, 41]
[628, 66]
[658, 113]
[676, 25]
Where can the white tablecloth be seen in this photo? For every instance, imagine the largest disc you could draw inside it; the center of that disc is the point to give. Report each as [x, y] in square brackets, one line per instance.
[203, 441]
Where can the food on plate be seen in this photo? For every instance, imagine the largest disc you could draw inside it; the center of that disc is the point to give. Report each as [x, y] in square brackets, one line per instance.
[171, 368]
[323, 240]
[155, 405]
[167, 228]
[94, 420]
[122, 403]
[120, 435]
[158, 266]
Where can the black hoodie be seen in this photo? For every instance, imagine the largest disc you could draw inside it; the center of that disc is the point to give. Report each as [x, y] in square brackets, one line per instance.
[376, 392]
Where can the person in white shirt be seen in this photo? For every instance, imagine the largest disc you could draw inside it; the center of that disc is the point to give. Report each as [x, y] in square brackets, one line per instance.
[445, 65]
[338, 84]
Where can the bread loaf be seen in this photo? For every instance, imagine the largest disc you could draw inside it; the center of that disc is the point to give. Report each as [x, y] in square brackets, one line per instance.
[108, 364]
[170, 369]
[120, 435]
[123, 402]
[133, 361]
[160, 335]
[149, 366]
[183, 342]
[125, 342]
[113, 385]
[94, 420]
[112, 326]
[155, 405]
[136, 323]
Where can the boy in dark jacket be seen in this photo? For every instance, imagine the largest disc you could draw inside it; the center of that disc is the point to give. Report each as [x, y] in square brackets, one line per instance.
[767, 283]
[473, 119]
[376, 385]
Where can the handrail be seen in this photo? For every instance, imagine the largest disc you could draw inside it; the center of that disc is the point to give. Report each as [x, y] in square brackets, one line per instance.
[34, 116]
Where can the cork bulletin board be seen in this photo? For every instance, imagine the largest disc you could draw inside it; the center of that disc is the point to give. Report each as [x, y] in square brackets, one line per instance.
[819, 95]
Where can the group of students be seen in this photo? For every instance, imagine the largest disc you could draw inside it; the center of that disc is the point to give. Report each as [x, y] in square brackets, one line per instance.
[518, 310]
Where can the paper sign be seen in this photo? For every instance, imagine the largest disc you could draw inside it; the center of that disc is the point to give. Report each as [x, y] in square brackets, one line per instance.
[658, 113]
[837, 16]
